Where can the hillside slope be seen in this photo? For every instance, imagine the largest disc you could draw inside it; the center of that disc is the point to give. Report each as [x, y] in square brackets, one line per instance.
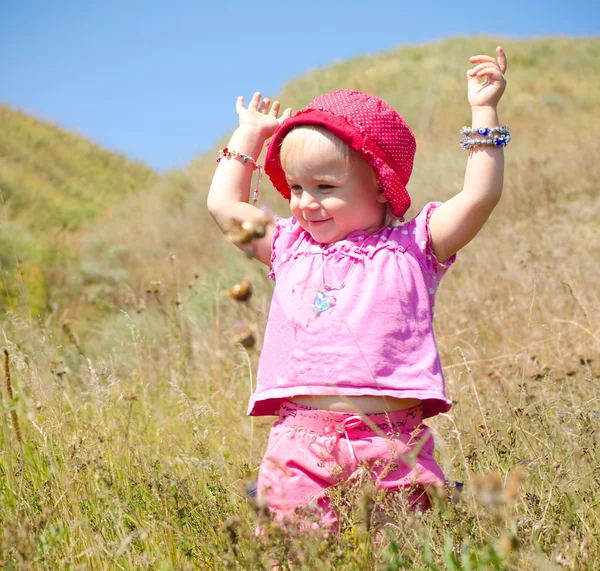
[52, 182]
[54, 178]
[551, 106]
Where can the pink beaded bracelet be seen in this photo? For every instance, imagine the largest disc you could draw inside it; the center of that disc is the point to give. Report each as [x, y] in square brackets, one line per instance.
[229, 153]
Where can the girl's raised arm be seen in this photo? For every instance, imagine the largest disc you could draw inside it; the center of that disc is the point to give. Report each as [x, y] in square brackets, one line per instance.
[456, 222]
[230, 188]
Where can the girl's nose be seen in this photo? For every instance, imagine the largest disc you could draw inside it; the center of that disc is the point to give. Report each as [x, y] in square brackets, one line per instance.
[308, 202]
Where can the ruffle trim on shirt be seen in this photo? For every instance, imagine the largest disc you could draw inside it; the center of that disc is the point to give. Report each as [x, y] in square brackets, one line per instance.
[278, 227]
[298, 243]
[431, 207]
[365, 244]
[423, 239]
[287, 237]
[291, 241]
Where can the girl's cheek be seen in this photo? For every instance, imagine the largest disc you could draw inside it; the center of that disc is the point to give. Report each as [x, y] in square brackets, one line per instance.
[330, 202]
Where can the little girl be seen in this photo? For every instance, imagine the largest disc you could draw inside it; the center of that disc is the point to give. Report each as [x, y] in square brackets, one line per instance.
[349, 361]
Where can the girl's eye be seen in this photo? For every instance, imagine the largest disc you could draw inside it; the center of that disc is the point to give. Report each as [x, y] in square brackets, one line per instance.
[325, 187]
[296, 188]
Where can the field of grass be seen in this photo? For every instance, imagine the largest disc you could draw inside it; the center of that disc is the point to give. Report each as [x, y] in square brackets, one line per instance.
[133, 449]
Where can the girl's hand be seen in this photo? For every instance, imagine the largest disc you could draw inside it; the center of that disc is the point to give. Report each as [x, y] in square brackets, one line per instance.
[258, 117]
[488, 93]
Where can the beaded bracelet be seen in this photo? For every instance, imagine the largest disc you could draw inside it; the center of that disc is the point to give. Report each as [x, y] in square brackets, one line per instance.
[229, 153]
[467, 143]
[501, 137]
[485, 131]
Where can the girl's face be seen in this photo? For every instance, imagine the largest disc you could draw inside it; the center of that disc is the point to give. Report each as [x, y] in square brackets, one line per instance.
[329, 199]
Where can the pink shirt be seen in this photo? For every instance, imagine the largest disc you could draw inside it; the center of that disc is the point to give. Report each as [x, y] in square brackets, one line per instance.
[376, 338]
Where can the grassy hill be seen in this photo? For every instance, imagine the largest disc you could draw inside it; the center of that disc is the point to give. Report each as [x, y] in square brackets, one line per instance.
[552, 164]
[52, 183]
[133, 447]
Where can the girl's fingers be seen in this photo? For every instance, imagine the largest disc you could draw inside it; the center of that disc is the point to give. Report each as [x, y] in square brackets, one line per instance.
[264, 105]
[481, 57]
[502, 62]
[492, 71]
[254, 101]
[275, 109]
[479, 67]
[285, 115]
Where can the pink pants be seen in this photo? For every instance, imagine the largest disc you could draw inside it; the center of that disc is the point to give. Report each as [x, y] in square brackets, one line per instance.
[310, 450]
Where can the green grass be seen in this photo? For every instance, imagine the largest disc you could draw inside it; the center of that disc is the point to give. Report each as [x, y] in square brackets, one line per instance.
[52, 178]
[52, 184]
[131, 395]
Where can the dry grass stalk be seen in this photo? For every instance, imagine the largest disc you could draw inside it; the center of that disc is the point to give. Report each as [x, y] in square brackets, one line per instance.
[13, 412]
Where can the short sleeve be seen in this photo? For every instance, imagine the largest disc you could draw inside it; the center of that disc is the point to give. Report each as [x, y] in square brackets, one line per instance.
[286, 239]
[422, 241]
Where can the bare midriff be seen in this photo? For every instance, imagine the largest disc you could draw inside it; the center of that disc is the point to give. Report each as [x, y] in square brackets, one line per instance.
[366, 404]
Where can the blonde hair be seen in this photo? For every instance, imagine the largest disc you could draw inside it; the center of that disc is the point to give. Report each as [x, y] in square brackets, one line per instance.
[296, 143]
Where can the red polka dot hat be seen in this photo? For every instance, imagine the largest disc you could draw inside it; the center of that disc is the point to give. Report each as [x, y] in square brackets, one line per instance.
[368, 125]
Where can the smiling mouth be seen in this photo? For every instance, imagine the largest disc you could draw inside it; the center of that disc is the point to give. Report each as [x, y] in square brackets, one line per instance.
[318, 221]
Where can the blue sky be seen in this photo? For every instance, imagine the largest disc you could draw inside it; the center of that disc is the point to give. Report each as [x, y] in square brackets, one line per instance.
[158, 80]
